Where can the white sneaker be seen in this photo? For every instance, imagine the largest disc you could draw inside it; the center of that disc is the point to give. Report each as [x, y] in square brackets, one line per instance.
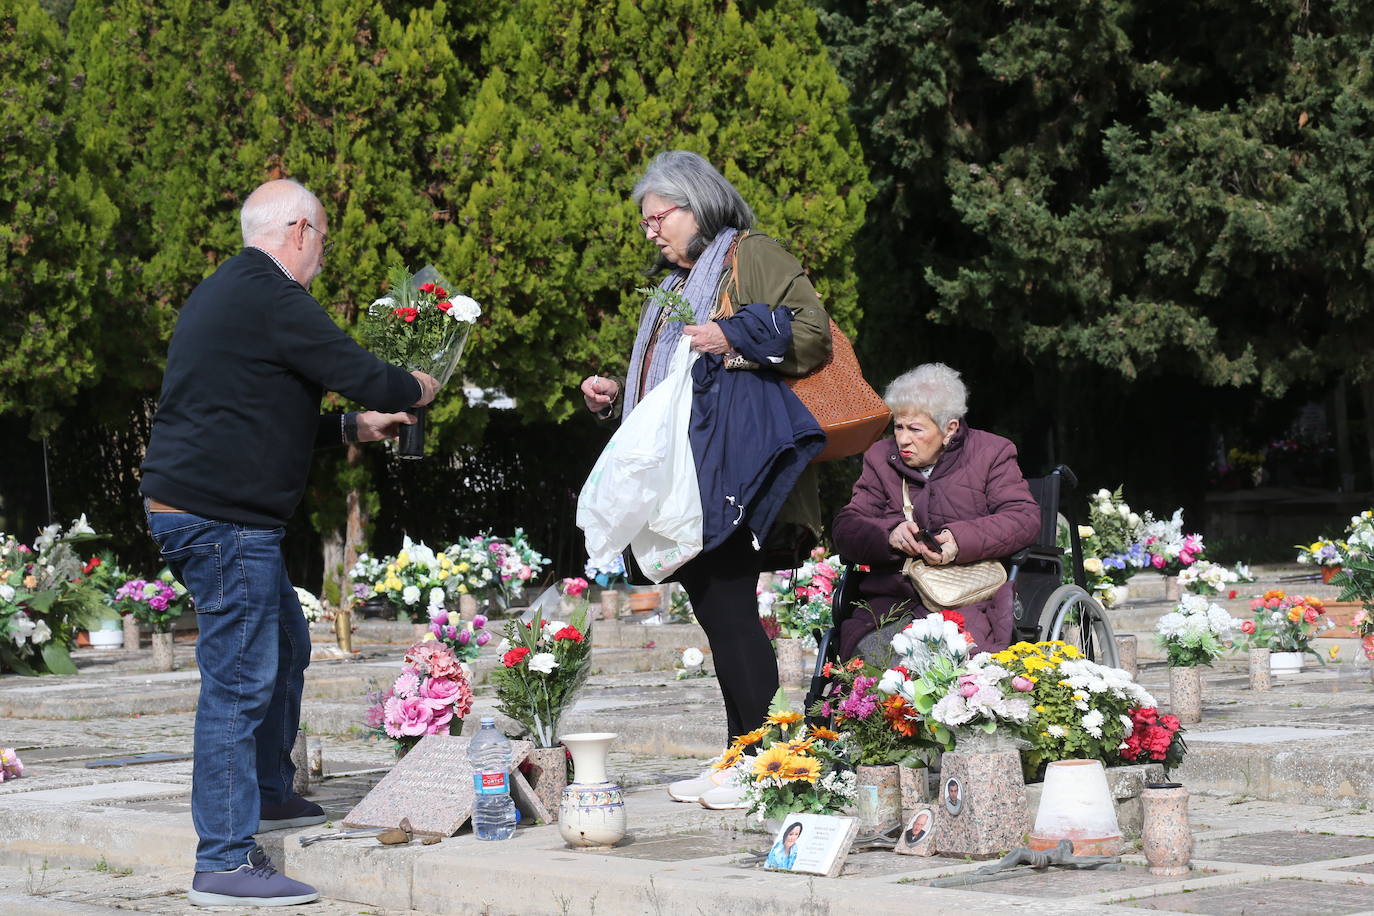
[690, 790]
[729, 794]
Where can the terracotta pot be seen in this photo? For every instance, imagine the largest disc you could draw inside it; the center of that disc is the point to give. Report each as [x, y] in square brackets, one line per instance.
[1185, 694]
[642, 602]
[1260, 675]
[164, 658]
[1166, 836]
[1342, 614]
[879, 801]
[1329, 572]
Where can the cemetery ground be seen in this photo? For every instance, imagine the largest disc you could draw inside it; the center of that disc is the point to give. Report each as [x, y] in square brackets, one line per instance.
[1281, 781]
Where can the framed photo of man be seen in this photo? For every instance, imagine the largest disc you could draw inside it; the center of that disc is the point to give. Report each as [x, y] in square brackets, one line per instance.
[918, 834]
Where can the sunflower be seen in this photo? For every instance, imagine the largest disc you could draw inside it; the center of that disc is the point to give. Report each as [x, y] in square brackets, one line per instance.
[784, 718]
[753, 737]
[800, 745]
[826, 734]
[801, 769]
[772, 762]
[728, 759]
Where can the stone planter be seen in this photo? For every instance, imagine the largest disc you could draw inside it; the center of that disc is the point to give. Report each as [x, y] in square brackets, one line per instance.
[610, 604]
[1285, 662]
[982, 798]
[164, 658]
[1171, 588]
[131, 634]
[1127, 656]
[1261, 677]
[1185, 694]
[1167, 838]
[791, 661]
[880, 798]
[548, 776]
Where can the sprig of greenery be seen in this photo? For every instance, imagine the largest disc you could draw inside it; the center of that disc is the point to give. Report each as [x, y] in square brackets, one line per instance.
[671, 301]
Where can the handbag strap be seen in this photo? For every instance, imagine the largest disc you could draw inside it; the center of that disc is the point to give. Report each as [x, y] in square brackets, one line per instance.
[727, 308]
[906, 502]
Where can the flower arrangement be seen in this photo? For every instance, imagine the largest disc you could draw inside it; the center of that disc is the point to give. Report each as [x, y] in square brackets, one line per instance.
[881, 728]
[1322, 552]
[608, 576]
[1154, 738]
[311, 606]
[430, 697]
[1207, 578]
[1195, 631]
[1359, 534]
[1079, 709]
[983, 698]
[801, 602]
[464, 640]
[692, 664]
[1170, 550]
[11, 767]
[45, 597]
[155, 604]
[1357, 584]
[513, 563]
[930, 657]
[1115, 535]
[419, 326]
[1286, 623]
[542, 665]
[414, 575]
[798, 768]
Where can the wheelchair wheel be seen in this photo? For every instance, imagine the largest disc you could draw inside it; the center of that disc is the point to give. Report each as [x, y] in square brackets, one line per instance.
[1074, 616]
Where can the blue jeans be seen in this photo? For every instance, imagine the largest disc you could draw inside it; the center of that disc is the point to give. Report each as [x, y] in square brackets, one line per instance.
[253, 649]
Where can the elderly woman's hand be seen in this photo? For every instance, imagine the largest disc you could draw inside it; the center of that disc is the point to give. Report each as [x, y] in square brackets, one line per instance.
[904, 539]
[708, 338]
[949, 550]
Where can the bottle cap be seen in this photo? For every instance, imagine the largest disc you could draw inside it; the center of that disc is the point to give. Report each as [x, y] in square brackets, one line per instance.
[488, 720]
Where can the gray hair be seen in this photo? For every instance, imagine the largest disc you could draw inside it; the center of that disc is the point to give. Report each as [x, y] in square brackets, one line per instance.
[933, 389]
[687, 180]
[272, 207]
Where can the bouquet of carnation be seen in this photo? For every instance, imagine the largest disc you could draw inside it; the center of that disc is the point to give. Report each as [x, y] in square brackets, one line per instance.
[311, 606]
[1154, 737]
[692, 664]
[45, 597]
[1195, 631]
[612, 573]
[542, 665]
[1079, 709]
[513, 563]
[430, 697]
[798, 768]
[419, 325]
[1322, 552]
[801, 602]
[1207, 578]
[1286, 623]
[154, 604]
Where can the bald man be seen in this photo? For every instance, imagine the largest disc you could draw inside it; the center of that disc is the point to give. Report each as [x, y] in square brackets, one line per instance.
[237, 420]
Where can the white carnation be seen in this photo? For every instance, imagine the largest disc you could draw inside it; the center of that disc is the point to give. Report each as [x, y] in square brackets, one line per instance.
[464, 309]
[691, 657]
[544, 662]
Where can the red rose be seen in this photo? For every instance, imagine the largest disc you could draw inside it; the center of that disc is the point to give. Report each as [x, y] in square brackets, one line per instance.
[91, 565]
[1231, 593]
[568, 632]
[443, 306]
[514, 657]
[1247, 627]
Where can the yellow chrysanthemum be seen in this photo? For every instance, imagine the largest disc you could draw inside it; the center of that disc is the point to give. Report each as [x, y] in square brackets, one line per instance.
[1072, 652]
[784, 718]
[753, 737]
[379, 587]
[1040, 709]
[728, 759]
[820, 731]
[462, 589]
[772, 762]
[801, 769]
[462, 567]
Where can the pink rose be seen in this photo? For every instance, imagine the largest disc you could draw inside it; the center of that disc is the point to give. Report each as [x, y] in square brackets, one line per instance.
[1022, 683]
[1310, 615]
[439, 724]
[1247, 627]
[967, 690]
[440, 688]
[1157, 561]
[408, 716]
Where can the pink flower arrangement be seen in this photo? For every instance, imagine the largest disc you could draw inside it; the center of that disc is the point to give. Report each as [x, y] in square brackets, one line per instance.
[430, 696]
[464, 640]
[11, 767]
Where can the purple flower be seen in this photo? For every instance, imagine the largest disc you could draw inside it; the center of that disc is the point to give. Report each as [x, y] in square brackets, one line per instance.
[479, 621]
[483, 638]
[436, 629]
[463, 637]
[158, 602]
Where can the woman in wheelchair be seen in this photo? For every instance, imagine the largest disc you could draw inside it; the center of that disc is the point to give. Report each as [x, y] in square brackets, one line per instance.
[969, 503]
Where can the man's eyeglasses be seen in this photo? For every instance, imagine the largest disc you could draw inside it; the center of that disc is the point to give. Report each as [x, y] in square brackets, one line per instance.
[654, 221]
[326, 245]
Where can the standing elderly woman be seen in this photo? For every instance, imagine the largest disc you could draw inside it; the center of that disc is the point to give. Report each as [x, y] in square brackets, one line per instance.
[965, 486]
[699, 223]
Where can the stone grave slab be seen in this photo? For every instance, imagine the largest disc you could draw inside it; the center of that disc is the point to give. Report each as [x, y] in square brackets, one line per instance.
[1065, 882]
[1283, 847]
[1284, 896]
[154, 757]
[103, 792]
[877, 863]
[77, 752]
[678, 847]
[1365, 869]
[1266, 734]
[432, 786]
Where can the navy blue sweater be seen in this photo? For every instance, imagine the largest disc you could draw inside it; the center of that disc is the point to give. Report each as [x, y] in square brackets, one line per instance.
[239, 414]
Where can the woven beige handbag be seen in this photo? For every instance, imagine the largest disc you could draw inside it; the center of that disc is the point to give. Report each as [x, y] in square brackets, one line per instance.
[955, 585]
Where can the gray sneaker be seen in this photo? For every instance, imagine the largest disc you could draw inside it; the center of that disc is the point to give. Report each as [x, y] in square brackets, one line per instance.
[255, 883]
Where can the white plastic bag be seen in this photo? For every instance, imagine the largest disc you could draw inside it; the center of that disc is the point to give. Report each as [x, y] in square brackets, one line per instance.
[642, 491]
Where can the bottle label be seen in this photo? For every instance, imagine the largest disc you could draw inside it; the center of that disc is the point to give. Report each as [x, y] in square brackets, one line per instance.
[490, 784]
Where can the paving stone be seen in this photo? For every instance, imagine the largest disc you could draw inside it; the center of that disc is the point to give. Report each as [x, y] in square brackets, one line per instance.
[1282, 847]
[678, 847]
[64, 753]
[1265, 734]
[1062, 882]
[1365, 869]
[1282, 896]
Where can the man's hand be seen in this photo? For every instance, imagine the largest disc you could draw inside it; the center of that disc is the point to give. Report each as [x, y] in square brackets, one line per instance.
[429, 387]
[599, 393]
[374, 426]
[708, 338]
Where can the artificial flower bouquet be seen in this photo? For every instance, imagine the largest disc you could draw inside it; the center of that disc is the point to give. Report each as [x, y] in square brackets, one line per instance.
[431, 696]
[1207, 578]
[464, 639]
[929, 657]
[802, 598]
[1170, 550]
[609, 575]
[797, 768]
[155, 603]
[1286, 623]
[311, 606]
[542, 665]
[1153, 738]
[420, 325]
[1322, 552]
[1356, 579]
[1079, 709]
[1195, 632]
[1115, 536]
[11, 767]
[513, 562]
[45, 597]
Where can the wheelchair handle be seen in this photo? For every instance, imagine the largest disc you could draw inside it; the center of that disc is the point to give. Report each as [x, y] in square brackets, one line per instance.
[1069, 476]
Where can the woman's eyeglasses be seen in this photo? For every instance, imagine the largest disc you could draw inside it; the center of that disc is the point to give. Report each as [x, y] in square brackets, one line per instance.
[654, 221]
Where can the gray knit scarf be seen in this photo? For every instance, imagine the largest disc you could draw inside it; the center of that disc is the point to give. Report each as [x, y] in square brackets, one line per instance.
[703, 280]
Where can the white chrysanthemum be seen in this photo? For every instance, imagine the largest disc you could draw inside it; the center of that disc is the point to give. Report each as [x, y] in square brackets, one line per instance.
[1057, 731]
[1092, 723]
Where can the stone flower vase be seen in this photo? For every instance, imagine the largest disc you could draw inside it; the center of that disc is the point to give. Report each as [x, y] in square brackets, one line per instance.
[1185, 694]
[1172, 592]
[791, 661]
[1165, 835]
[1127, 655]
[915, 788]
[879, 802]
[592, 810]
[981, 796]
[131, 633]
[164, 659]
[548, 776]
[1261, 677]
[610, 604]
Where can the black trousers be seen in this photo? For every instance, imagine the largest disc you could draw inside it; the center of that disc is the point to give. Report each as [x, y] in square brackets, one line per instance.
[721, 585]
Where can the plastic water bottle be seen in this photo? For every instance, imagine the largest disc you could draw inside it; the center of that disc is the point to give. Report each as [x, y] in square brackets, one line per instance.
[493, 812]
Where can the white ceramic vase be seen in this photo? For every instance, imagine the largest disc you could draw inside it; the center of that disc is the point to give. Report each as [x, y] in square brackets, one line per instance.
[592, 809]
[1285, 662]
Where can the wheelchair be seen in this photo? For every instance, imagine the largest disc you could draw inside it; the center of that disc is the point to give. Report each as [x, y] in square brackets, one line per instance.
[1045, 608]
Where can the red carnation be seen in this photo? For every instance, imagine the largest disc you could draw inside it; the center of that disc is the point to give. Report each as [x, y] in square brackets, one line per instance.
[514, 657]
[438, 291]
[568, 632]
[443, 306]
[426, 287]
[91, 565]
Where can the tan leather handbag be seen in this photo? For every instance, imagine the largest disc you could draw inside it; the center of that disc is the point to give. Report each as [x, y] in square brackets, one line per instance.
[852, 415]
[955, 585]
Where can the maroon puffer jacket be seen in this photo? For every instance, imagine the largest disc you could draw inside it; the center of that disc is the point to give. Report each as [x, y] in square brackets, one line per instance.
[976, 491]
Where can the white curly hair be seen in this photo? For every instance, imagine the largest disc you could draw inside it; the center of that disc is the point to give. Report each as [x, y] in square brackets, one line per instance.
[933, 389]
